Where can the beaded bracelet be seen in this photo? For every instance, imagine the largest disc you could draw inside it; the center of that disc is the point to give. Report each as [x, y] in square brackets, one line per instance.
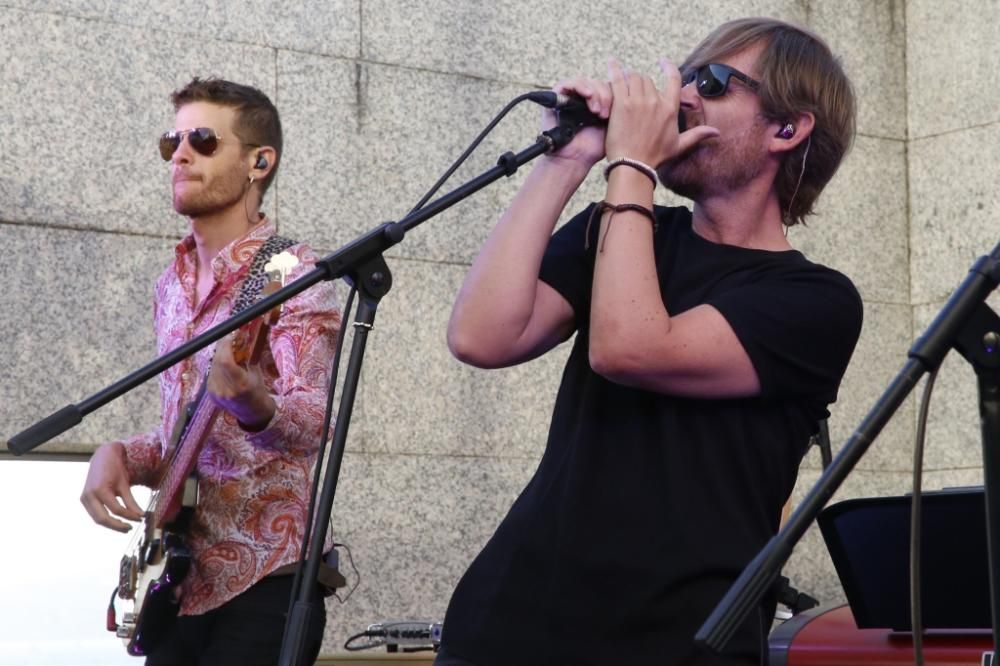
[642, 167]
[602, 206]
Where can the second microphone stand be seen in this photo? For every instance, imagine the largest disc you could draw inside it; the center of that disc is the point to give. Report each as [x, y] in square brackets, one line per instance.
[966, 323]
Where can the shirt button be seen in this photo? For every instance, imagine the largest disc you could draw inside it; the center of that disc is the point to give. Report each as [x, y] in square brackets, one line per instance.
[185, 376]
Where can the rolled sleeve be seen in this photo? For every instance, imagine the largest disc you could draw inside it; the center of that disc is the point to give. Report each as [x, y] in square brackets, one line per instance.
[143, 456]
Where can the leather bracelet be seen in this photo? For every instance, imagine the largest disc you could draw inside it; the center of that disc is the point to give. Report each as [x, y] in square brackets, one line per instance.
[602, 206]
[642, 167]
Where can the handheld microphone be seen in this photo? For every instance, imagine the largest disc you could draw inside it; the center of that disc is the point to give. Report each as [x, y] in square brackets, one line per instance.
[573, 110]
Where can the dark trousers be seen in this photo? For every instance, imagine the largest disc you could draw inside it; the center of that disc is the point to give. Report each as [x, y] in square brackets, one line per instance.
[245, 631]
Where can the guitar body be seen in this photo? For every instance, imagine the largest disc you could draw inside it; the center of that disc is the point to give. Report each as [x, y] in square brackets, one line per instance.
[150, 578]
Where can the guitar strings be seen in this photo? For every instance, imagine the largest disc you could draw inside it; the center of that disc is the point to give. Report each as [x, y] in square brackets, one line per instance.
[139, 532]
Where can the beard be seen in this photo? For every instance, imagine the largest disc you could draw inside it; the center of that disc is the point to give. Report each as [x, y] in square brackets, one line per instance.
[714, 167]
[214, 196]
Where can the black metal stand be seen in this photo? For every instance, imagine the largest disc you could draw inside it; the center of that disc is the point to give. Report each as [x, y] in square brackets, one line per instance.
[373, 281]
[361, 261]
[796, 601]
[979, 344]
[961, 323]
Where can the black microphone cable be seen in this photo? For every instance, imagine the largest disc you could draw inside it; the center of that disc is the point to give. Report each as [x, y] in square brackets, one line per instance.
[537, 96]
[350, 645]
[320, 455]
[916, 611]
[347, 309]
[357, 574]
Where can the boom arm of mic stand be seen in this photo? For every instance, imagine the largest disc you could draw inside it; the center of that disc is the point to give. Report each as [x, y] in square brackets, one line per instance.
[335, 265]
[926, 354]
[71, 415]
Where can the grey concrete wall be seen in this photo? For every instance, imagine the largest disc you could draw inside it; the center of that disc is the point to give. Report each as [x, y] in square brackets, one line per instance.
[377, 99]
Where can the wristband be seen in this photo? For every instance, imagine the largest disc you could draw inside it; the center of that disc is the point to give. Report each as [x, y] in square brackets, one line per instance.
[602, 206]
[644, 168]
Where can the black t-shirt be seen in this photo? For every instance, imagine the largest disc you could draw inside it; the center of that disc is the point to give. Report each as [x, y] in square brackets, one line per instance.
[645, 507]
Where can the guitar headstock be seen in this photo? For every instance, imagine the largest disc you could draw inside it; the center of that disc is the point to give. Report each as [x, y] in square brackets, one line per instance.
[248, 341]
[277, 269]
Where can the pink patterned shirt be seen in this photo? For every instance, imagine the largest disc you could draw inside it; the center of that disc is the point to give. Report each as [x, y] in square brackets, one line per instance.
[253, 487]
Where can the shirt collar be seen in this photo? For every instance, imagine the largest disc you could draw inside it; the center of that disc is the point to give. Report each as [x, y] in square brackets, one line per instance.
[232, 257]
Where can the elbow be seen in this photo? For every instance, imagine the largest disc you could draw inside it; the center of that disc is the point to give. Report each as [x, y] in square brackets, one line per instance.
[626, 353]
[467, 347]
[615, 362]
[611, 351]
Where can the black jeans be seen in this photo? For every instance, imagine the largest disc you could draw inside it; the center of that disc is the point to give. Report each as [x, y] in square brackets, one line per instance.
[245, 631]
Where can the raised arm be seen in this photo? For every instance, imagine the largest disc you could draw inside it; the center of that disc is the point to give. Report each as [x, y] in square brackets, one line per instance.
[633, 339]
[289, 414]
[504, 314]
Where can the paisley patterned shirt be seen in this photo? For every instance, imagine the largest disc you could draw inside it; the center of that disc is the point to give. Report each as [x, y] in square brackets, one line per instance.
[254, 487]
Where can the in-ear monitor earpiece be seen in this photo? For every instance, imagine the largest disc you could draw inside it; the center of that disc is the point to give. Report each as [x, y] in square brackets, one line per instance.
[787, 132]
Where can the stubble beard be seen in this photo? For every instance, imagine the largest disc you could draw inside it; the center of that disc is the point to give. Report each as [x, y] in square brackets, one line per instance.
[714, 167]
[218, 195]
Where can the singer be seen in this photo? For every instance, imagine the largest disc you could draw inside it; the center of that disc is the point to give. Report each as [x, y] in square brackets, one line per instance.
[706, 350]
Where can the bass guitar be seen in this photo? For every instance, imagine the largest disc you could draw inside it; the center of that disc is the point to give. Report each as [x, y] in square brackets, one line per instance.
[151, 572]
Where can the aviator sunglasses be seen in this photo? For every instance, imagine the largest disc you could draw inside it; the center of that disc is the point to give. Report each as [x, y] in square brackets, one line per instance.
[202, 140]
[712, 80]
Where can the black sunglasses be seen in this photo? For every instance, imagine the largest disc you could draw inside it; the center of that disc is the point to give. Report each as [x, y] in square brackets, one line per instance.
[202, 139]
[712, 80]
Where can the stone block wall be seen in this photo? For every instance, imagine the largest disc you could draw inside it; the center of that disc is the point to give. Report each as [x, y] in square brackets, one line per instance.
[377, 99]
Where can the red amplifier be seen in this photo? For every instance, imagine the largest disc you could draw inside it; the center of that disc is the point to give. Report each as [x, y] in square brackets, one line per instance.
[830, 637]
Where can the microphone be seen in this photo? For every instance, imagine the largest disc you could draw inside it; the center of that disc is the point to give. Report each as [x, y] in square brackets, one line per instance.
[573, 110]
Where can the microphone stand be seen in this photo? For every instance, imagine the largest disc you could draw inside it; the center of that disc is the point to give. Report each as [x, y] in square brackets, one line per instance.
[966, 323]
[362, 262]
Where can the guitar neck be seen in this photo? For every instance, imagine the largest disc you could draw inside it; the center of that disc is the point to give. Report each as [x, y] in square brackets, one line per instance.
[247, 346]
[179, 467]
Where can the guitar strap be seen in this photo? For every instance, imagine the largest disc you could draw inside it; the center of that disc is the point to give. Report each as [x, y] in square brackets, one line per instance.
[255, 280]
[329, 577]
[250, 291]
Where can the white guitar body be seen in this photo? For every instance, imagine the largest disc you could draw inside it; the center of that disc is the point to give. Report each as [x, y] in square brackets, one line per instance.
[149, 578]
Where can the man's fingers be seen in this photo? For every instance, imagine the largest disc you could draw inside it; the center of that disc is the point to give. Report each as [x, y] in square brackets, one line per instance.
[602, 98]
[132, 509]
[118, 500]
[619, 87]
[649, 85]
[226, 378]
[224, 349]
[627, 81]
[107, 480]
[692, 137]
[671, 75]
[99, 513]
[597, 94]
